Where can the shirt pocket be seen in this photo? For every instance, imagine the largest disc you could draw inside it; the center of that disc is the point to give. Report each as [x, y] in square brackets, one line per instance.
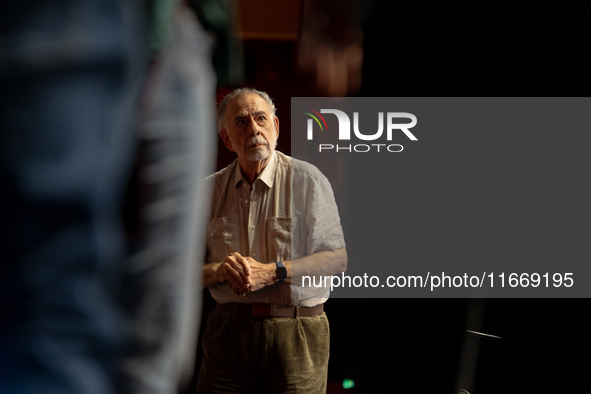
[279, 237]
[223, 238]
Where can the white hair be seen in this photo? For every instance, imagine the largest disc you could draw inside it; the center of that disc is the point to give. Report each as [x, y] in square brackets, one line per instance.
[221, 113]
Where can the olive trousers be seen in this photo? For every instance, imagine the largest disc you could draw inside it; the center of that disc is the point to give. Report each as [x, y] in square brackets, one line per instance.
[254, 354]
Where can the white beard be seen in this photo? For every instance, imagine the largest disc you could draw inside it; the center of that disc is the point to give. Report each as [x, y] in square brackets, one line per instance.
[259, 154]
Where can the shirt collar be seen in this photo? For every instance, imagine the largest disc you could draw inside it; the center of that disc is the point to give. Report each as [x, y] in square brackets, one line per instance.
[267, 175]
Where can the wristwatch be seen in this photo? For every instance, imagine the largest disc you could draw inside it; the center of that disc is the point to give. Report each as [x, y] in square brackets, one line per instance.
[281, 271]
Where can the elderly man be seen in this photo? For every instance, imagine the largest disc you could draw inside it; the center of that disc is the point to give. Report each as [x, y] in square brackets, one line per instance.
[273, 219]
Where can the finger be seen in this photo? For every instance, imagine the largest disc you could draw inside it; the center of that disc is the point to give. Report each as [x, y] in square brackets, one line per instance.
[239, 273]
[233, 262]
[230, 279]
[245, 265]
[231, 274]
[245, 269]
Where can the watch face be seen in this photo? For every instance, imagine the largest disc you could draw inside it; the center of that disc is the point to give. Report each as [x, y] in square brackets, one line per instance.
[281, 272]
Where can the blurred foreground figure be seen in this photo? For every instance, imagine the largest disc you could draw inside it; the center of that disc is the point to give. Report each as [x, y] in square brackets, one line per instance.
[273, 220]
[83, 308]
[70, 72]
[161, 292]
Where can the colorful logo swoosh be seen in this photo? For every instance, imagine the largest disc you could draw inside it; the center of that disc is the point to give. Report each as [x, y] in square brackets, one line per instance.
[316, 119]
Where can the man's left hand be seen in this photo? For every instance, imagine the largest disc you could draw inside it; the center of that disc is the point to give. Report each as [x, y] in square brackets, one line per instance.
[262, 274]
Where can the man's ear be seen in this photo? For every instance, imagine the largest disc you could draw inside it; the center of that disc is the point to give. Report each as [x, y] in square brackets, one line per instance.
[276, 121]
[226, 139]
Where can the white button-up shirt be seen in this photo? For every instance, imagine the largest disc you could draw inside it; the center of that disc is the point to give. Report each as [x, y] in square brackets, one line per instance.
[289, 212]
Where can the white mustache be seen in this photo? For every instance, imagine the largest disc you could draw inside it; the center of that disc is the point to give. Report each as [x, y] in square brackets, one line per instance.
[257, 141]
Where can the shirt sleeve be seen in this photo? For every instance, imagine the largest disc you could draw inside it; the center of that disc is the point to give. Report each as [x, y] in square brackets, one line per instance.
[324, 231]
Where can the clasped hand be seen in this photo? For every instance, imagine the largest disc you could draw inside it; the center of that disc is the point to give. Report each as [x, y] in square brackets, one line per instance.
[244, 274]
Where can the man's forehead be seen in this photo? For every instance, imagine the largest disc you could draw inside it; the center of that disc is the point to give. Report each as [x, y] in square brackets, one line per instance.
[248, 103]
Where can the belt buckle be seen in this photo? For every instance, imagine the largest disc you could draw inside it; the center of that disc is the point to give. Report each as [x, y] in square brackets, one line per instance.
[261, 309]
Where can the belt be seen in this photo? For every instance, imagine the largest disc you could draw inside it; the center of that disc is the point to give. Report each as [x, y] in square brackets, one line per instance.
[259, 309]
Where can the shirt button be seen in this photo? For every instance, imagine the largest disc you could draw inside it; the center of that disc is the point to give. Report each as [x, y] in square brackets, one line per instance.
[246, 201]
[254, 255]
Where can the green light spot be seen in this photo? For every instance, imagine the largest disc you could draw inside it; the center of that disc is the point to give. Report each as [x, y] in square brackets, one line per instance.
[348, 384]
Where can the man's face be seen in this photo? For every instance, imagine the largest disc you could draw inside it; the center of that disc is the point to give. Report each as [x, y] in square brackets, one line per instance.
[250, 128]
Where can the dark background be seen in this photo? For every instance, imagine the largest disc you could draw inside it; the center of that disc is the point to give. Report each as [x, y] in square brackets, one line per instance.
[419, 48]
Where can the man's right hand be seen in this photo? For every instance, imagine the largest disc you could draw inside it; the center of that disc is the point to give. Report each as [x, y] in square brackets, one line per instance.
[234, 271]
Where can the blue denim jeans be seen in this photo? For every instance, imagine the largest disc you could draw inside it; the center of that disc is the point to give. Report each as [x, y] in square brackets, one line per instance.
[70, 73]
